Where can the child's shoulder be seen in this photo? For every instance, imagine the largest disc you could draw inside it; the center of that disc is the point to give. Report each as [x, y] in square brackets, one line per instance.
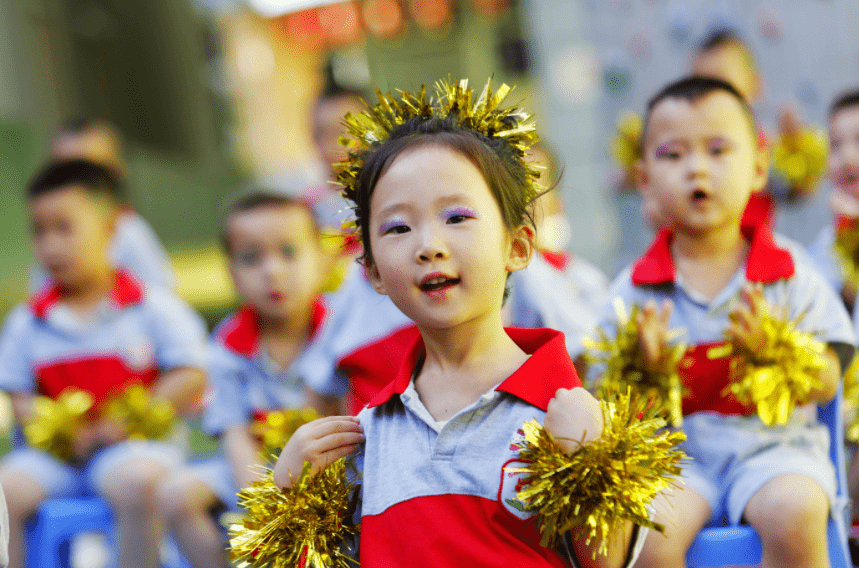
[19, 320]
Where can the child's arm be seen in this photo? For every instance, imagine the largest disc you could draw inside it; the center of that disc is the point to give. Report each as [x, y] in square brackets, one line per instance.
[243, 451]
[571, 417]
[181, 386]
[746, 332]
[320, 443]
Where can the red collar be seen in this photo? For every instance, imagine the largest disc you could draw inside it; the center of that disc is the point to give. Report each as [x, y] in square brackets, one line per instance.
[766, 262]
[559, 260]
[241, 332]
[127, 291]
[548, 368]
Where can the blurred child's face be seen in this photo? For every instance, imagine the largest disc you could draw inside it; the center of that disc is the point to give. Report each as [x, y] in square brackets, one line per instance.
[844, 150]
[327, 126]
[440, 248]
[72, 231]
[276, 259]
[701, 162]
[731, 64]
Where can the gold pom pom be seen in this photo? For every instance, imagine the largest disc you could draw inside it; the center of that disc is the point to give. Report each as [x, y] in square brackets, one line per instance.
[607, 482]
[56, 422]
[800, 158]
[779, 374]
[625, 366]
[846, 249]
[305, 525]
[144, 416]
[275, 428]
[626, 146]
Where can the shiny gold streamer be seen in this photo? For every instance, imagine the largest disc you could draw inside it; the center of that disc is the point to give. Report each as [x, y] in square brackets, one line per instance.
[482, 114]
[778, 375]
[625, 365]
[846, 248]
[626, 146]
[305, 522]
[851, 400]
[278, 426]
[607, 482]
[800, 158]
[56, 422]
[144, 416]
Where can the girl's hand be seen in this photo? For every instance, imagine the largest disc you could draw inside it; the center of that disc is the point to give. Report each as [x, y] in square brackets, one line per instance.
[321, 443]
[653, 331]
[745, 329]
[573, 416]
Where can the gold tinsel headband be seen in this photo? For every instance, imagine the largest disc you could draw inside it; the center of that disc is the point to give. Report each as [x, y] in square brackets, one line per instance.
[453, 100]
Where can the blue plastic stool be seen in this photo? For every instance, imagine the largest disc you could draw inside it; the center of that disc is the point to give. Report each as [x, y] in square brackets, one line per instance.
[56, 522]
[721, 546]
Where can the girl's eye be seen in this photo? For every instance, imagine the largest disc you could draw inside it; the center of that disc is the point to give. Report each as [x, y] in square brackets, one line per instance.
[459, 214]
[288, 252]
[453, 219]
[393, 227]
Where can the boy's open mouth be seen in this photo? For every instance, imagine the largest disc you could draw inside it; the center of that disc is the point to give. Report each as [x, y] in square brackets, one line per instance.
[699, 195]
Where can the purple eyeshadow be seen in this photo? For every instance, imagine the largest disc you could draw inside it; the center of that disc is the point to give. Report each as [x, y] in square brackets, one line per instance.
[460, 211]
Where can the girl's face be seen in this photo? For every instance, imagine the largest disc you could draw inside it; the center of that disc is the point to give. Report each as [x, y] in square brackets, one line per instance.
[440, 247]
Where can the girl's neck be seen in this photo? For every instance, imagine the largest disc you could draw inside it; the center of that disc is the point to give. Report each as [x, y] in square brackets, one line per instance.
[464, 362]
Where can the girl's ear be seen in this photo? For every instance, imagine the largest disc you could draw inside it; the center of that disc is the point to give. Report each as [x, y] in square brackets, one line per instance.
[762, 169]
[521, 248]
[374, 277]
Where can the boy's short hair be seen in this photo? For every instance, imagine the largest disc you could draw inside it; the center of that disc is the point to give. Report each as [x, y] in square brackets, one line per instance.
[256, 198]
[97, 180]
[692, 89]
[843, 101]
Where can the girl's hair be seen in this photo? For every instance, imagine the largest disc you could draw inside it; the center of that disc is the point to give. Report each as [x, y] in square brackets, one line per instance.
[494, 157]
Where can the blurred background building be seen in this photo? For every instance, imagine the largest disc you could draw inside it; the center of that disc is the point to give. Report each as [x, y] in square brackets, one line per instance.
[209, 94]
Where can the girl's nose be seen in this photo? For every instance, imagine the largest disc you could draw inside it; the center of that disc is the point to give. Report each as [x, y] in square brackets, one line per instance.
[432, 246]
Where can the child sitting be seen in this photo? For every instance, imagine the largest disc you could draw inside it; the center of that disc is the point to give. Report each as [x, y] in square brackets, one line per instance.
[843, 165]
[100, 331]
[710, 275]
[278, 265]
[444, 215]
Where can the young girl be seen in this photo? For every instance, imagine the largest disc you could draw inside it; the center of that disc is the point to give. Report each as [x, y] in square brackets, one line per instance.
[443, 211]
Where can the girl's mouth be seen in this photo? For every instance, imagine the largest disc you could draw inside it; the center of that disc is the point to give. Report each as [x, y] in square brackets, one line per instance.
[438, 283]
[699, 196]
[276, 296]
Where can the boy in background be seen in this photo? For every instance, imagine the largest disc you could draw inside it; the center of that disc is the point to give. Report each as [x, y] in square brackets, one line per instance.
[135, 247]
[98, 330]
[713, 276]
[278, 265]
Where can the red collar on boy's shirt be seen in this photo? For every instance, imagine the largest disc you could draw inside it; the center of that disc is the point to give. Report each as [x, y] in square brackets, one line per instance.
[560, 260]
[127, 291]
[548, 368]
[241, 332]
[766, 263]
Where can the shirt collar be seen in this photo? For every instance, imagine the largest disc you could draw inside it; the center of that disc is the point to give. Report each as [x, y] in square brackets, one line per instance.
[241, 332]
[766, 263]
[548, 368]
[127, 292]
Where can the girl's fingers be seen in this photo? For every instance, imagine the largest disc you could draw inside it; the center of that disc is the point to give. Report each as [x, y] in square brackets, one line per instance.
[333, 441]
[667, 310]
[327, 458]
[332, 424]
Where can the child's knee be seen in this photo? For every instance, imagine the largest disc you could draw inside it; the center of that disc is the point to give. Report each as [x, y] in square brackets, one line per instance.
[789, 511]
[134, 485]
[23, 501]
[181, 494]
